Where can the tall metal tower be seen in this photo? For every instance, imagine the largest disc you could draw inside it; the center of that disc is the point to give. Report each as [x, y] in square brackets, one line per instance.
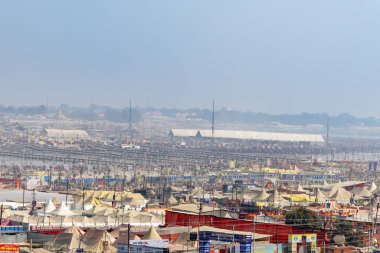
[130, 119]
[213, 120]
[328, 132]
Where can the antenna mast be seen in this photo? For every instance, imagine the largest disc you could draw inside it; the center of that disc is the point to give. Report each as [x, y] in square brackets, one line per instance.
[213, 120]
[130, 119]
[328, 132]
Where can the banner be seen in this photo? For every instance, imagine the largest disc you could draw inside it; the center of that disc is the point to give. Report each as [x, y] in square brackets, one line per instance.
[9, 247]
[162, 244]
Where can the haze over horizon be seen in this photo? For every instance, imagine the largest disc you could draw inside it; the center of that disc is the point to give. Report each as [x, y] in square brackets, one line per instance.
[261, 56]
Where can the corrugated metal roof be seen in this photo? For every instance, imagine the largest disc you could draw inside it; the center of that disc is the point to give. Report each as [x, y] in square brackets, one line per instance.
[226, 231]
[64, 133]
[184, 132]
[193, 208]
[249, 135]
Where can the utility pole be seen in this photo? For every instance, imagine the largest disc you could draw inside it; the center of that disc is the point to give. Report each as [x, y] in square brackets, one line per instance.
[23, 194]
[254, 233]
[374, 222]
[1, 214]
[34, 202]
[50, 176]
[67, 188]
[122, 191]
[83, 198]
[273, 195]
[163, 191]
[163, 184]
[199, 224]
[129, 230]
[114, 198]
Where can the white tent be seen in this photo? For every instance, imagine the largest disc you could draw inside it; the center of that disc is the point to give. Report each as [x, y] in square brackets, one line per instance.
[319, 196]
[362, 192]
[299, 188]
[172, 201]
[262, 196]
[50, 207]
[373, 187]
[152, 235]
[275, 197]
[62, 210]
[340, 195]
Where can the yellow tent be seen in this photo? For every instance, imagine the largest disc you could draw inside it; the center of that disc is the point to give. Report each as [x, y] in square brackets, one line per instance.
[299, 197]
[93, 201]
[262, 204]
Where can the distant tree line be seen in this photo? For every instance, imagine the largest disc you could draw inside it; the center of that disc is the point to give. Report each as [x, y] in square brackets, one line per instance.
[25, 110]
[96, 112]
[90, 113]
[231, 116]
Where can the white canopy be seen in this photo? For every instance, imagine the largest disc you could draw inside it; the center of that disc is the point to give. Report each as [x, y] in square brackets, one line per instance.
[50, 207]
[62, 210]
[373, 187]
[263, 195]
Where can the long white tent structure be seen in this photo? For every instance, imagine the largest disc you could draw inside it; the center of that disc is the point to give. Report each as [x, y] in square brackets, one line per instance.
[247, 135]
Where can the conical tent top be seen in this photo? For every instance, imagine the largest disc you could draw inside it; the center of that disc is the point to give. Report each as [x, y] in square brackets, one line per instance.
[50, 207]
[373, 187]
[152, 235]
[282, 186]
[319, 194]
[276, 197]
[263, 195]
[299, 188]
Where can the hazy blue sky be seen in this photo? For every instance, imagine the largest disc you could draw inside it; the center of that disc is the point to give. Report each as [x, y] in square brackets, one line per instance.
[271, 56]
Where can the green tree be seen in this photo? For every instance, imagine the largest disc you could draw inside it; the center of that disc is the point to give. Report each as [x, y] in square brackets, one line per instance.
[353, 238]
[303, 218]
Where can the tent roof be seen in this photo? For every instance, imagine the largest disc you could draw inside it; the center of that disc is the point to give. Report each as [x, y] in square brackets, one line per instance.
[362, 192]
[171, 200]
[50, 207]
[228, 216]
[193, 208]
[248, 135]
[93, 201]
[299, 188]
[64, 242]
[77, 232]
[373, 187]
[282, 186]
[340, 195]
[98, 246]
[276, 197]
[93, 236]
[62, 210]
[152, 235]
[263, 195]
[319, 194]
